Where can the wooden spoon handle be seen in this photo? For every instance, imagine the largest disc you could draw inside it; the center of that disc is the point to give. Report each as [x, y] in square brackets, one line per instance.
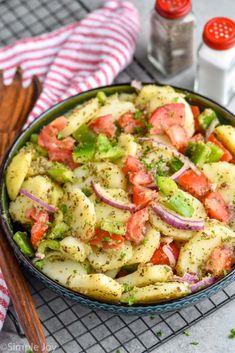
[21, 298]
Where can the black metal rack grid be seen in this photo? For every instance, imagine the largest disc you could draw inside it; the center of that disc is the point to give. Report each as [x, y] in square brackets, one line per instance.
[70, 327]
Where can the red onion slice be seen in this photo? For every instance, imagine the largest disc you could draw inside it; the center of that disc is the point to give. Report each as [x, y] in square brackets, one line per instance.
[205, 282]
[104, 196]
[136, 84]
[175, 153]
[33, 198]
[190, 277]
[167, 250]
[211, 127]
[177, 174]
[177, 221]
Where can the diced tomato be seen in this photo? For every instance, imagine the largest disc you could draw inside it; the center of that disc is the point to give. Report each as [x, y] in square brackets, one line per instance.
[39, 228]
[195, 184]
[196, 112]
[227, 156]
[166, 116]
[106, 240]
[220, 261]
[132, 164]
[160, 258]
[216, 207]
[58, 150]
[105, 125]
[128, 123]
[178, 136]
[136, 226]
[142, 196]
[197, 138]
[141, 178]
[137, 172]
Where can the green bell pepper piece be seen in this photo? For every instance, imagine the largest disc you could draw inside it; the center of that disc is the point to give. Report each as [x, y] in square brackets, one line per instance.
[175, 164]
[39, 264]
[58, 231]
[48, 244]
[84, 153]
[101, 96]
[106, 150]
[84, 135]
[166, 185]
[23, 243]
[180, 204]
[161, 166]
[34, 138]
[206, 117]
[215, 153]
[200, 154]
[113, 227]
[103, 143]
[59, 172]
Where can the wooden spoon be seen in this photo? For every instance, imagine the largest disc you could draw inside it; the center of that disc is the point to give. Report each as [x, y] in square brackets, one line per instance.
[15, 104]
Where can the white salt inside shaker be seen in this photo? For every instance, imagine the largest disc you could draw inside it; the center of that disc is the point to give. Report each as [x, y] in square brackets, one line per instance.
[216, 61]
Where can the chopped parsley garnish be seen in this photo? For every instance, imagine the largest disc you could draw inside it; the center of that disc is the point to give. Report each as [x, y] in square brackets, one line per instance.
[137, 114]
[138, 130]
[64, 208]
[149, 126]
[144, 242]
[131, 300]
[106, 239]
[194, 343]
[159, 333]
[122, 255]
[232, 333]
[186, 333]
[126, 287]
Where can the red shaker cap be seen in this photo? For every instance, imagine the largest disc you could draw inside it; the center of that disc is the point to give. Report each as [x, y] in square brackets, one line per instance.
[219, 33]
[173, 9]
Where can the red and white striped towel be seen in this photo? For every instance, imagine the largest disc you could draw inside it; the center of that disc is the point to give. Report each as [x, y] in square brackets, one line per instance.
[72, 59]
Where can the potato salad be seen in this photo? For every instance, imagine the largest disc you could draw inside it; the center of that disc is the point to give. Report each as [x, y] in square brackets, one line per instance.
[128, 198]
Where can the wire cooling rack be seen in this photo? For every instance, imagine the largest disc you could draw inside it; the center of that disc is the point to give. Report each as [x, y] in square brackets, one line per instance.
[70, 327]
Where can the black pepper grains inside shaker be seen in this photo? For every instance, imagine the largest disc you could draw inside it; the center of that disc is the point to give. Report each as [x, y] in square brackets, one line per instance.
[172, 39]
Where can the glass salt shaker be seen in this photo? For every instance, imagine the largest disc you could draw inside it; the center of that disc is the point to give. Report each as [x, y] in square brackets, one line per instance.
[172, 38]
[216, 61]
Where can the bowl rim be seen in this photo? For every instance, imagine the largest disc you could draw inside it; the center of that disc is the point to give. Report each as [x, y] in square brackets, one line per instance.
[163, 306]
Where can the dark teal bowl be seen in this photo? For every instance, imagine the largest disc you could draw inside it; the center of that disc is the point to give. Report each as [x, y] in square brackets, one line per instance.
[9, 228]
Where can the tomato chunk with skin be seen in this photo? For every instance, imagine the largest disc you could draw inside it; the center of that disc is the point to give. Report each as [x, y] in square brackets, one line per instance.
[166, 116]
[160, 258]
[58, 150]
[227, 156]
[136, 172]
[196, 112]
[220, 261]
[178, 136]
[40, 226]
[216, 207]
[135, 227]
[105, 125]
[128, 123]
[106, 240]
[195, 184]
[143, 196]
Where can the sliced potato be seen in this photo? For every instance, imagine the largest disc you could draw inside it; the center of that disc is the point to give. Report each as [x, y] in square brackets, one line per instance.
[82, 213]
[226, 134]
[41, 187]
[60, 270]
[115, 107]
[143, 252]
[109, 175]
[157, 292]
[178, 234]
[147, 274]
[148, 92]
[97, 286]
[222, 175]
[17, 171]
[111, 259]
[74, 249]
[127, 142]
[112, 273]
[80, 115]
[197, 250]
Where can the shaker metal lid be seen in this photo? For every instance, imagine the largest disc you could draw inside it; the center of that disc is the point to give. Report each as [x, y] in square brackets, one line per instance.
[219, 33]
[173, 9]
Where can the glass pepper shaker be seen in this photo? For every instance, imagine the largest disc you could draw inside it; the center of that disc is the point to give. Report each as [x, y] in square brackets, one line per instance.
[216, 61]
[172, 39]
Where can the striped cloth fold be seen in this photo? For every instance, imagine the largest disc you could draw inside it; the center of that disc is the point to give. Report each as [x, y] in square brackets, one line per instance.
[72, 59]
